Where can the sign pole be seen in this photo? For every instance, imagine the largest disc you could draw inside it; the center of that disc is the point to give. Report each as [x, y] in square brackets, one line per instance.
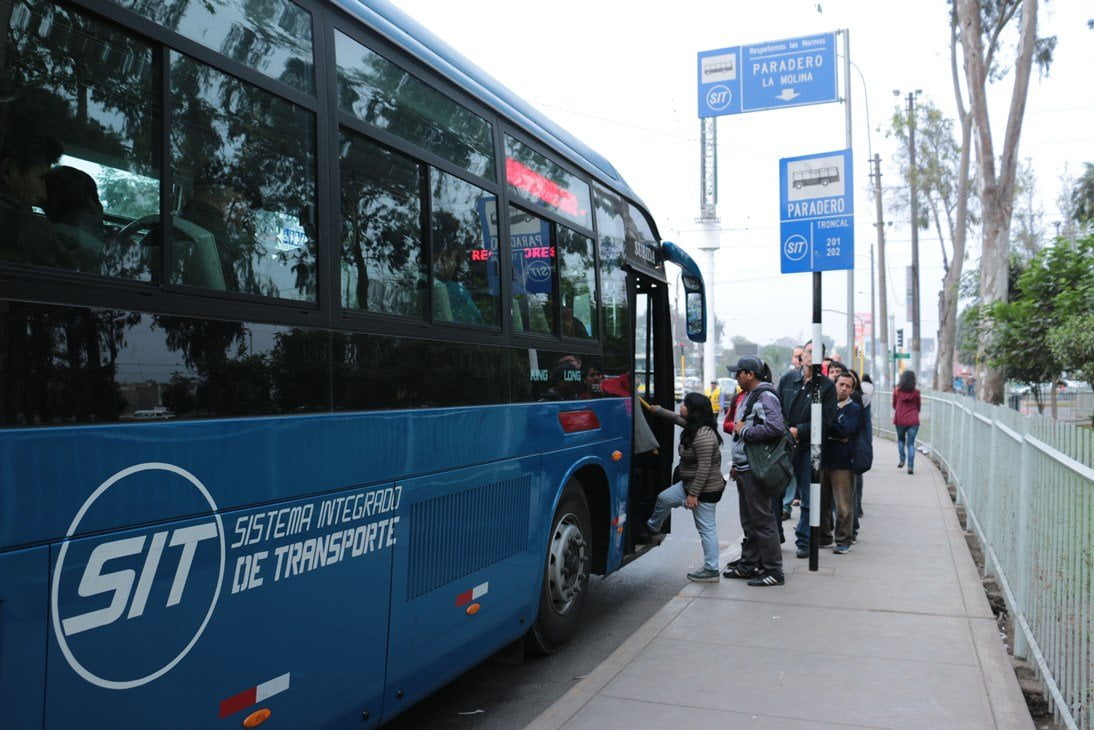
[847, 125]
[816, 425]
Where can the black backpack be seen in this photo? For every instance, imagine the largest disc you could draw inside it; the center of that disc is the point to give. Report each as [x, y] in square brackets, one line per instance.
[771, 461]
[862, 450]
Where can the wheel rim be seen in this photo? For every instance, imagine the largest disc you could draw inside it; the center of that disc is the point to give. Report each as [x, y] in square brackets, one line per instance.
[567, 563]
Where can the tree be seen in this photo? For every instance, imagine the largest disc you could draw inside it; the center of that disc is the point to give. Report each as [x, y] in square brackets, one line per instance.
[1072, 344]
[1028, 227]
[1056, 286]
[981, 23]
[1083, 197]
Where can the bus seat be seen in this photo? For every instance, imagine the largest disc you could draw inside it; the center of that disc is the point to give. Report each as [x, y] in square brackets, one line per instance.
[442, 309]
[209, 272]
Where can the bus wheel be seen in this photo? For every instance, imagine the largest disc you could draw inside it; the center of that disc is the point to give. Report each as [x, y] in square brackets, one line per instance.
[565, 574]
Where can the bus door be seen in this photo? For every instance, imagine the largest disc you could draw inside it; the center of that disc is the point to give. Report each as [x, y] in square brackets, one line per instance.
[651, 470]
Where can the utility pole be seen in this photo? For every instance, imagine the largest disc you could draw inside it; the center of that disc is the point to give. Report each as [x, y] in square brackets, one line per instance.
[711, 233]
[881, 271]
[912, 175]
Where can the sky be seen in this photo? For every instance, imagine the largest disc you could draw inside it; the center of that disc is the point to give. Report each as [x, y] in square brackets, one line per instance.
[621, 76]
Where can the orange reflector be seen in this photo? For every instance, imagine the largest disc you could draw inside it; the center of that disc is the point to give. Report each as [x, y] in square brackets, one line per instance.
[617, 455]
[473, 609]
[572, 421]
[619, 529]
[256, 718]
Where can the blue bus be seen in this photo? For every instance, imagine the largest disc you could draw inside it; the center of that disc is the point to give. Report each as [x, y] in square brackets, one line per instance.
[317, 365]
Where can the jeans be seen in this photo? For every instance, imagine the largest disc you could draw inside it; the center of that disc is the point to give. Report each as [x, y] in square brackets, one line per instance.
[703, 514]
[906, 434]
[837, 485]
[761, 548]
[803, 475]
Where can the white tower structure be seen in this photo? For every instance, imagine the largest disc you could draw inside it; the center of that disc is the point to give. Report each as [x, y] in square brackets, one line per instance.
[710, 232]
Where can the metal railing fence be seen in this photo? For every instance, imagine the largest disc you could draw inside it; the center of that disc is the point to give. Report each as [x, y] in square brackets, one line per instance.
[1027, 486]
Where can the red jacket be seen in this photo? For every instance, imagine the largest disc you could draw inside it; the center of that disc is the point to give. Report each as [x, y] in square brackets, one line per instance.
[727, 424]
[905, 408]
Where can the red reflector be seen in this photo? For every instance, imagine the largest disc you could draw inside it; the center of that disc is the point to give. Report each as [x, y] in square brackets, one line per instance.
[572, 421]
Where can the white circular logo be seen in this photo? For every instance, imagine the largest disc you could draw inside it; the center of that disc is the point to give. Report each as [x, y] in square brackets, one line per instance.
[132, 588]
[719, 97]
[795, 247]
[538, 271]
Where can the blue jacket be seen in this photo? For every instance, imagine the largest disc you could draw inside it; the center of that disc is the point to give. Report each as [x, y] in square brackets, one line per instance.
[838, 443]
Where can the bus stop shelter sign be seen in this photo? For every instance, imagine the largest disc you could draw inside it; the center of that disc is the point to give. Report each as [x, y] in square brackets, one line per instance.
[816, 199]
[790, 72]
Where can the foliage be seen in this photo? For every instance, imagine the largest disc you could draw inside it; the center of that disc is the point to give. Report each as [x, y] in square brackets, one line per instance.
[1072, 344]
[1083, 197]
[1057, 285]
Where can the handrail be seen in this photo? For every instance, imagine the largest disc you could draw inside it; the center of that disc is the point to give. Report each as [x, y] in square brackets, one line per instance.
[1027, 486]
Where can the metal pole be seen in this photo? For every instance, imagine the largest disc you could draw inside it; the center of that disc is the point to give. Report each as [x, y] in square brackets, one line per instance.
[883, 294]
[873, 319]
[847, 123]
[816, 423]
[915, 234]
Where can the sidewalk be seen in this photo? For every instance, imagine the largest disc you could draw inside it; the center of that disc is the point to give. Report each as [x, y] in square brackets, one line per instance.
[896, 634]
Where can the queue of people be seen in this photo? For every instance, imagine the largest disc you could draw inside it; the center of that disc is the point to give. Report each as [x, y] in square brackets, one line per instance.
[759, 411]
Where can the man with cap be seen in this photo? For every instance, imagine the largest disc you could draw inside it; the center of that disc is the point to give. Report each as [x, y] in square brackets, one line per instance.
[796, 395]
[758, 418]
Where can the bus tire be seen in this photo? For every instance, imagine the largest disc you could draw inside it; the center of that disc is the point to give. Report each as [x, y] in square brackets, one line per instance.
[565, 573]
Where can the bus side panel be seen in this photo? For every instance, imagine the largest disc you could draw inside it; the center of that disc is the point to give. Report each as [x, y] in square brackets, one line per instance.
[148, 624]
[23, 616]
[465, 578]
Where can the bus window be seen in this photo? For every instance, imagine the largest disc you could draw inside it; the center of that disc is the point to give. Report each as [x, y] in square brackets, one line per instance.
[382, 261]
[577, 265]
[244, 161]
[533, 176]
[534, 272]
[84, 98]
[461, 278]
[273, 37]
[380, 93]
[613, 278]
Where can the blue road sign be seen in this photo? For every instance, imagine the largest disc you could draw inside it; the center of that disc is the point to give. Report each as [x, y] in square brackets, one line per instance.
[816, 210]
[790, 72]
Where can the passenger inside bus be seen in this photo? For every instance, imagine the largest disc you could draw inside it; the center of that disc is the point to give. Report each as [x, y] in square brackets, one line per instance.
[452, 301]
[26, 154]
[72, 204]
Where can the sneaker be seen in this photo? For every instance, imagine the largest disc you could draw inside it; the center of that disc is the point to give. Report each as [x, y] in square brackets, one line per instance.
[854, 539]
[706, 575]
[803, 552]
[910, 470]
[795, 502]
[645, 537]
[841, 549]
[786, 515]
[743, 572]
[768, 579]
[900, 465]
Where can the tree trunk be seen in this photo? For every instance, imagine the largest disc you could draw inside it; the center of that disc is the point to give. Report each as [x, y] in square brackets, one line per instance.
[948, 297]
[996, 192]
[1052, 397]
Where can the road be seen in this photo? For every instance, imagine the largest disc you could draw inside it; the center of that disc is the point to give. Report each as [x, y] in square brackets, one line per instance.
[503, 695]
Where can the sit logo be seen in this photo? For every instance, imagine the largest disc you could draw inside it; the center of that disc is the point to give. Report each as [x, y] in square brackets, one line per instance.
[719, 97]
[146, 595]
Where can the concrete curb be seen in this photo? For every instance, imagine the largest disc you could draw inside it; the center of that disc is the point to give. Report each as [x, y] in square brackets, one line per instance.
[571, 703]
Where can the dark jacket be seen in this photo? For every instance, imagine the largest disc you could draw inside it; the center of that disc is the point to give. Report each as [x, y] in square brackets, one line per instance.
[839, 442]
[763, 423]
[796, 400]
